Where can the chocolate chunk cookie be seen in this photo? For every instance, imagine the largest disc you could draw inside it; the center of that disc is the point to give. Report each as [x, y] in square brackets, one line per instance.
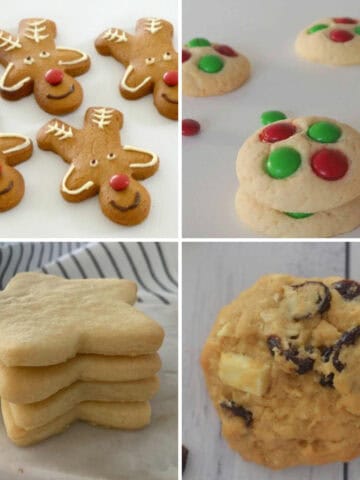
[282, 367]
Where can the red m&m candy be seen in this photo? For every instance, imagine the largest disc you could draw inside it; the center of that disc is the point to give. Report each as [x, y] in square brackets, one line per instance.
[225, 50]
[190, 127]
[277, 132]
[54, 76]
[329, 164]
[345, 20]
[171, 78]
[341, 36]
[119, 182]
[186, 55]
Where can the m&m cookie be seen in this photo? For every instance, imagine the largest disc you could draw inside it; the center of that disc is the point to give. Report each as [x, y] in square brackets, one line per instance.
[292, 170]
[333, 41]
[274, 223]
[211, 68]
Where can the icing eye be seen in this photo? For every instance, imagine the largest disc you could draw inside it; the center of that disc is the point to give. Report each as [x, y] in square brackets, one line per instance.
[29, 60]
[167, 56]
[94, 162]
[150, 60]
[111, 156]
[44, 54]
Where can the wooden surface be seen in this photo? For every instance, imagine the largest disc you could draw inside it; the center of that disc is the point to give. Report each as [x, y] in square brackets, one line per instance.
[213, 275]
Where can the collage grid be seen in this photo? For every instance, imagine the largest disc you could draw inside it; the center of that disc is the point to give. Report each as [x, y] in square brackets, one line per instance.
[137, 203]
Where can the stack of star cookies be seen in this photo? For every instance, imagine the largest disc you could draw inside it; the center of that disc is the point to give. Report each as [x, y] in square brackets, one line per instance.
[300, 178]
[74, 350]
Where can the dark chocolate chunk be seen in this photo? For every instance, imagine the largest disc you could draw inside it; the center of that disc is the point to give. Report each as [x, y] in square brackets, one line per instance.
[273, 341]
[314, 298]
[327, 380]
[304, 364]
[185, 453]
[326, 353]
[291, 354]
[346, 339]
[348, 289]
[238, 411]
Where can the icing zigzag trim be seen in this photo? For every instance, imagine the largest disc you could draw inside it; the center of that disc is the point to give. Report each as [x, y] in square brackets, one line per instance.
[9, 42]
[34, 30]
[114, 35]
[153, 25]
[102, 117]
[61, 131]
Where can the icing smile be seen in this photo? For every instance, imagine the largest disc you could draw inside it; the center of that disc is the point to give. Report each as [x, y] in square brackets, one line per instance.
[8, 188]
[133, 205]
[64, 95]
[169, 100]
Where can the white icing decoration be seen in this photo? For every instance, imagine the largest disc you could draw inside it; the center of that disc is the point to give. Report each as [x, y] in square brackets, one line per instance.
[17, 85]
[102, 117]
[61, 131]
[29, 60]
[150, 60]
[34, 31]
[83, 56]
[9, 42]
[94, 162]
[26, 143]
[111, 156]
[114, 35]
[153, 25]
[125, 86]
[167, 56]
[44, 54]
[76, 191]
[151, 163]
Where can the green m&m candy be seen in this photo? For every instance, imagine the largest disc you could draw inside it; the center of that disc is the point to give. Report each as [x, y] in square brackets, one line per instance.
[324, 132]
[282, 162]
[357, 30]
[211, 64]
[272, 116]
[317, 28]
[298, 215]
[199, 42]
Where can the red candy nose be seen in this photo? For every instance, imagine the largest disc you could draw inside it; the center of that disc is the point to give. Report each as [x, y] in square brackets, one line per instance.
[171, 78]
[119, 182]
[54, 76]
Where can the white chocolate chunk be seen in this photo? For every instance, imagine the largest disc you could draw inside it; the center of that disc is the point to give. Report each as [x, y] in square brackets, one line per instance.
[226, 330]
[244, 373]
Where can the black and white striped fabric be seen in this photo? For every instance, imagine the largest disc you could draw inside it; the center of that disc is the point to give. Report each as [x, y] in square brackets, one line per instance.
[153, 266]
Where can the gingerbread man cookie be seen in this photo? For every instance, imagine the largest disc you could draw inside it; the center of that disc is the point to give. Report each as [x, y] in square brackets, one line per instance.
[14, 149]
[34, 64]
[100, 164]
[304, 170]
[151, 62]
[212, 69]
[333, 41]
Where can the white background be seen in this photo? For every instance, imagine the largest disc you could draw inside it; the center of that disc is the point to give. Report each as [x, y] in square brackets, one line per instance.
[265, 32]
[213, 275]
[43, 212]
